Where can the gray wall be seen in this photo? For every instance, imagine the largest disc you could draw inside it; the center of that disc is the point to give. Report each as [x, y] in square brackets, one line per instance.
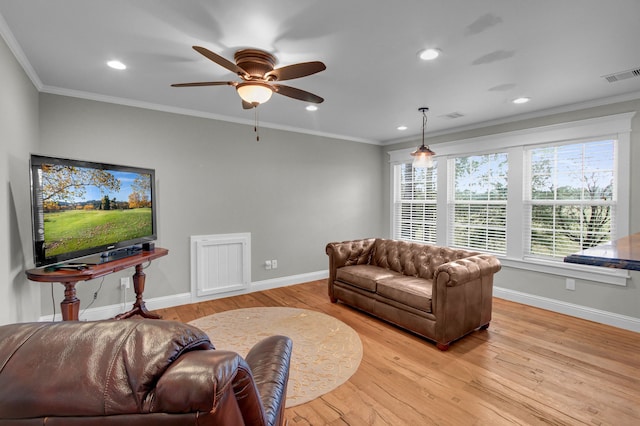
[293, 192]
[605, 297]
[19, 299]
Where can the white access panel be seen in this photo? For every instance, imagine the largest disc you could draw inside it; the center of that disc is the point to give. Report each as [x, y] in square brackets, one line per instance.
[220, 263]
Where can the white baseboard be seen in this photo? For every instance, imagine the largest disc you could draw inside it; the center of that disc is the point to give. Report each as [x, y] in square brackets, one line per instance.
[584, 312]
[267, 285]
[291, 280]
[578, 311]
[104, 312]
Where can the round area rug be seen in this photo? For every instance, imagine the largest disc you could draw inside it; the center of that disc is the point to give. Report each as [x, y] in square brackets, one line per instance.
[326, 351]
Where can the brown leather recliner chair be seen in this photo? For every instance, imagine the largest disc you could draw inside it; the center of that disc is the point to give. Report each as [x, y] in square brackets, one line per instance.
[137, 372]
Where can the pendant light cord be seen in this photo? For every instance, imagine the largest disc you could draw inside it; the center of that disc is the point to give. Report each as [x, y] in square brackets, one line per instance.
[255, 126]
[424, 122]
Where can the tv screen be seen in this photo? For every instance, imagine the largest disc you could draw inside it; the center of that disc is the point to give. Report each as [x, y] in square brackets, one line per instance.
[82, 208]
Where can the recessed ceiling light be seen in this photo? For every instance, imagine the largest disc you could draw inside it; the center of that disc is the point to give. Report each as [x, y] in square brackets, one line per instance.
[311, 108]
[429, 54]
[402, 127]
[117, 65]
[521, 100]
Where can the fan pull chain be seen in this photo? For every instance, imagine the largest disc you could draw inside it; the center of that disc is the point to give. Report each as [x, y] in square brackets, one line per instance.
[255, 127]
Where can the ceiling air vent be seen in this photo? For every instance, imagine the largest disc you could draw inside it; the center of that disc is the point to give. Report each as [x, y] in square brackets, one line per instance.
[452, 115]
[612, 78]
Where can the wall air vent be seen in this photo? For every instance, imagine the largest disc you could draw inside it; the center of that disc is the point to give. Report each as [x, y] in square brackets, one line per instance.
[452, 115]
[612, 78]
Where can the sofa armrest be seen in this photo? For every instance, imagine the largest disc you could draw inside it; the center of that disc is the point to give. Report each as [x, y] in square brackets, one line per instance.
[462, 296]
[269, 361]
[347, 253]
[461, 271]
[202, 381]
[197, 381]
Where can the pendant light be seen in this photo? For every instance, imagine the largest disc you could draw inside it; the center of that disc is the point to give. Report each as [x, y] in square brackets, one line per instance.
[423, 156]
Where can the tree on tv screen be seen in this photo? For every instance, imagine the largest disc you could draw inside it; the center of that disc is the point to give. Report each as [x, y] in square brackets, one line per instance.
[68, 183]
[139, 190]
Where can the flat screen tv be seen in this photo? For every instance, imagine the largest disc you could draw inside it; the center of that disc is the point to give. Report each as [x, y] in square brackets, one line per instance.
[93, 211]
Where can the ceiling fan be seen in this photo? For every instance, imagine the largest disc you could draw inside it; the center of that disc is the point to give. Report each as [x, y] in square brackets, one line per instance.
[256, 68]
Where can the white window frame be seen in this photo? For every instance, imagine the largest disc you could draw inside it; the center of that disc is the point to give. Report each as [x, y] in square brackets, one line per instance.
[397, 200]
[617, 126]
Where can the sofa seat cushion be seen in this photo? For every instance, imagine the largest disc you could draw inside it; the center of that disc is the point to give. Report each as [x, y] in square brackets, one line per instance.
[411, 291]
[364, 276]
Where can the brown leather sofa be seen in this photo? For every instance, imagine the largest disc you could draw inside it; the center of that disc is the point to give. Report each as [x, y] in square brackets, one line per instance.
[136, 372]
[437, 292]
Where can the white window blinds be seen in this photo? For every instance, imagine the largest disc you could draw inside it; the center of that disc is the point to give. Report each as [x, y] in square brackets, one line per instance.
[415, 201]
[478, 202]
[570, 197]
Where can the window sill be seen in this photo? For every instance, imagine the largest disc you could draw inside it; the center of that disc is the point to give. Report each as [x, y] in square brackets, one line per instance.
[583, 272]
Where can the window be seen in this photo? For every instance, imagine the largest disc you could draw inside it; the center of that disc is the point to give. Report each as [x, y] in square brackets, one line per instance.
[530, 196]
[415, 203]
[478, 202]
[570, 197]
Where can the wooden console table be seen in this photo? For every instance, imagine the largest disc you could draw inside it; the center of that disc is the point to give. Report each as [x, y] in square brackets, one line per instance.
[70, 306]
[623, 253]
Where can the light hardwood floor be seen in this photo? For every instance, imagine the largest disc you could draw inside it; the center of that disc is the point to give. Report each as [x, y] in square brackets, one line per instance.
[531, 367]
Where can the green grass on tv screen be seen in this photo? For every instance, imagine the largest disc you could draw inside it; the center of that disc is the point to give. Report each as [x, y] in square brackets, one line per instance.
[74, 230]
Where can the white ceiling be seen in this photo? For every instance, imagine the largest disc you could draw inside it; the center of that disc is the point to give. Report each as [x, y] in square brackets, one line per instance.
[554, 51]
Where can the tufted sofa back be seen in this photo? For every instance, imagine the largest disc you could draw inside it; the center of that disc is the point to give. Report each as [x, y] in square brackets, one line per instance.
[413, 259]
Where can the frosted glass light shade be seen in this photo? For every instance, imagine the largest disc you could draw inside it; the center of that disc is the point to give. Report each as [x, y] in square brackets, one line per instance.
[254, 93]
[423, 161]
[422, 157]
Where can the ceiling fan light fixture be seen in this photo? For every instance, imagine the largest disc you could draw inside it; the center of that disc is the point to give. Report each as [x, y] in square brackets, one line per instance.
[423, 156]
[255, 68]
[255, 93]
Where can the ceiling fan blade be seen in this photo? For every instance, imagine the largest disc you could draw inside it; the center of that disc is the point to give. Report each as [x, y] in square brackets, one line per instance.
[294, 93]
[221, 61]
[205, 83]
[295, 71]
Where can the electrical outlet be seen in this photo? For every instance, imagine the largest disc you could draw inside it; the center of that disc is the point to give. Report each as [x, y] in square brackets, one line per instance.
[267, 264]
[124, 282]
[274, 264]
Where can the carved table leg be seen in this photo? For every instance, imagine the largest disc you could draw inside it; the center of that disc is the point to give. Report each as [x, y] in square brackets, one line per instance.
[139, 307]
[70, 306]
